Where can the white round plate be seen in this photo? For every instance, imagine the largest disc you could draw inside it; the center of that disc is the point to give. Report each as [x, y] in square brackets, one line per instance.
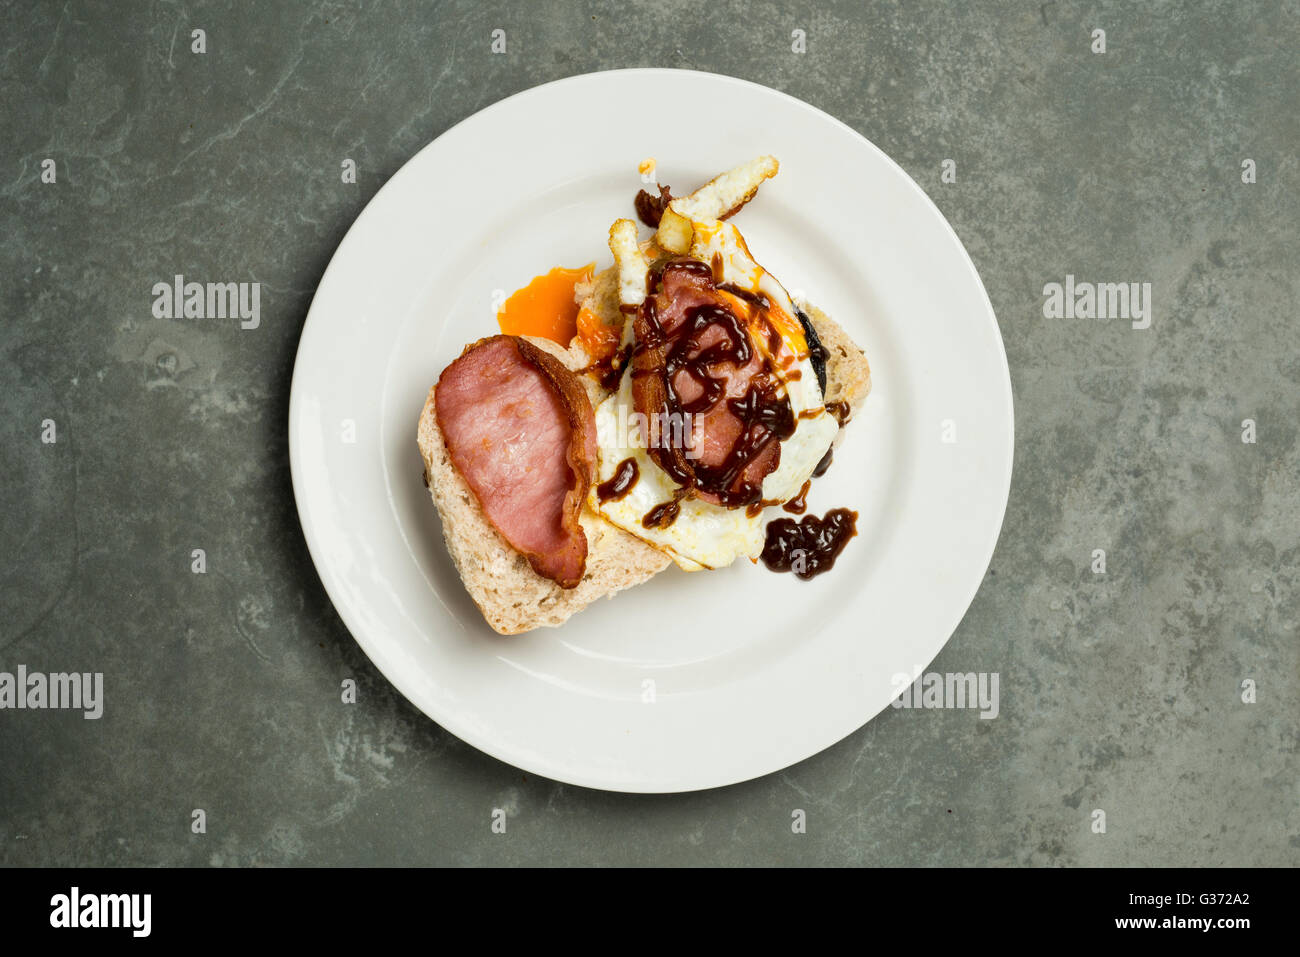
[691, 680]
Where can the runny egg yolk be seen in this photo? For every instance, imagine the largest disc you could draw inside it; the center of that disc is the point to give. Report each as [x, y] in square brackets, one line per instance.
[545, 306]
[599, 340]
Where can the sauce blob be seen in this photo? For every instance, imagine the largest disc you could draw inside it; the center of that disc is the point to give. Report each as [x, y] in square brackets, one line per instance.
[620, 483]
[799, 504]
[810, 545]
[824, 464]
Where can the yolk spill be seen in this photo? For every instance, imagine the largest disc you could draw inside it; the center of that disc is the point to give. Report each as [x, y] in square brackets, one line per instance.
[545, 306]
[599, 340]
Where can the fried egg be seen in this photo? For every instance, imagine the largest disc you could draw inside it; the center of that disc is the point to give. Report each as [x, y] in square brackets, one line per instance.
[705, 535]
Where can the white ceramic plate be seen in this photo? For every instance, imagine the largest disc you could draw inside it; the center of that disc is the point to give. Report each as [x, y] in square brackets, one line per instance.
[750, 671]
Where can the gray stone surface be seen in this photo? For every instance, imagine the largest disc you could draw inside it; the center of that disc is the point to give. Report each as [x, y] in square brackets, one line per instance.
[1119, 692]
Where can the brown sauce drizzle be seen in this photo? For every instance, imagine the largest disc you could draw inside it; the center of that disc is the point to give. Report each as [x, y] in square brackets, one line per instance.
[764, 410]
[650, 209]
[665, 513]
[824, 464]
[810, 545]
[716, 265]
[840, 410]
[620, 483]
[774, 339]
[799, 504]
[817, 354]
[740, 292]
[608, 373]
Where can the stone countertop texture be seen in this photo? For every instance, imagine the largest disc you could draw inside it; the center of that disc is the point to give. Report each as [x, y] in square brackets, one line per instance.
[1120, 691]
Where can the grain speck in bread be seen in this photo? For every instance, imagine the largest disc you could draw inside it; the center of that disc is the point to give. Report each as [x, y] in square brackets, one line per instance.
[513, 597]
